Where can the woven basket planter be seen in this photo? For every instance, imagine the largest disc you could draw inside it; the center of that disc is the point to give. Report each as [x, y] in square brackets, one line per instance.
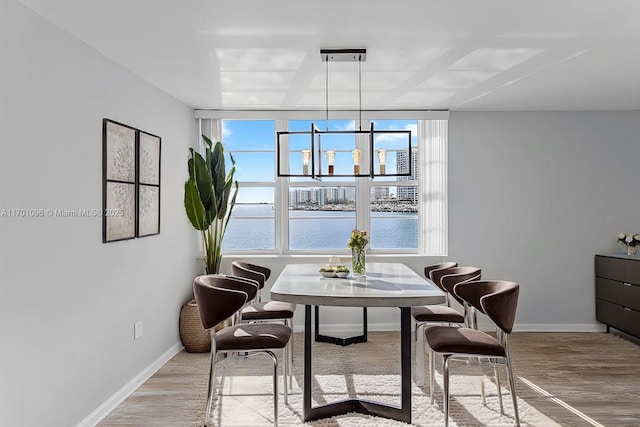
[195, 338]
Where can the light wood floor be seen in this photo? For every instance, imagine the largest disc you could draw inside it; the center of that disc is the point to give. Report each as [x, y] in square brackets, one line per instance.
[574, 379]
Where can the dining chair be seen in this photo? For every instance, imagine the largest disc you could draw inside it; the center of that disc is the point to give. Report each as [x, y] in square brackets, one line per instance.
[439, 314]
[244, 269]
[219, 297]
[447, 264]
[427, 273]
[423, 315]
[498, 299]
[261, 311]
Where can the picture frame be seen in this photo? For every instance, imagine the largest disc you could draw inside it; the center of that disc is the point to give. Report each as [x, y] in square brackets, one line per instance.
[149, 148]
[119, 149]
[131, 182]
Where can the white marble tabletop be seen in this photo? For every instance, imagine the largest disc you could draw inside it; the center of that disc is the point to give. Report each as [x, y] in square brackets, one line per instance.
[385, 285]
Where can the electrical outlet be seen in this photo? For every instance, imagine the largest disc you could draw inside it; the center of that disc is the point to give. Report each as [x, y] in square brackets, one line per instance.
[137, 330]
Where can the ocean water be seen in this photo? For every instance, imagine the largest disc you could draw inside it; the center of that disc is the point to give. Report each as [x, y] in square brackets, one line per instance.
[310, 230]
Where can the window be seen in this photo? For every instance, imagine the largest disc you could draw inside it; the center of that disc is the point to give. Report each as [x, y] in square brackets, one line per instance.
[403, 214]
[394, 206]
[252, 223]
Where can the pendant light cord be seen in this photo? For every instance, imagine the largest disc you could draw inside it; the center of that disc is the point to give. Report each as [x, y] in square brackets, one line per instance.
[360, 90]
[326, 80]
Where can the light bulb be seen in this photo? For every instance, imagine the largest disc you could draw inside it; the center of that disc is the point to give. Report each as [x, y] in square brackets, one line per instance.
[356, 161]
[382, 158]
[331, 157]
[306, 156]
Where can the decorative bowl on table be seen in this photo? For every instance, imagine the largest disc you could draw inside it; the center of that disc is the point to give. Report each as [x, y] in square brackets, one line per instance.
[342, 271]
[328, 272]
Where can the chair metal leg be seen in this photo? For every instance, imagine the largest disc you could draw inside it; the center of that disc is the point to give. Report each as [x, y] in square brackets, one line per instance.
[482, 391]
[275, 388]
[512, 386]
[289, 323]
[497, 375]
[419, 347]
[285, 374]
[210, 387]
[291, 342]
[445, 394]
[432, 373]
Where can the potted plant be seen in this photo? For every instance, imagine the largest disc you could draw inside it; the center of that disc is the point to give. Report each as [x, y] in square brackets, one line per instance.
[209, 196]
[630, 241]
[357, 243]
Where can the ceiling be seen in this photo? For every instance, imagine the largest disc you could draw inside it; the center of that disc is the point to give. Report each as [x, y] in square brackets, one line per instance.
[491, 55]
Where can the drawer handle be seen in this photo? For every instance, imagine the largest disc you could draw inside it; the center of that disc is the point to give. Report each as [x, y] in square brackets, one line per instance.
[626, 308]
[627, 284]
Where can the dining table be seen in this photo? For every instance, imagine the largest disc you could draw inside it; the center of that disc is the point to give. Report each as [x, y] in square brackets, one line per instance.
[383, 285]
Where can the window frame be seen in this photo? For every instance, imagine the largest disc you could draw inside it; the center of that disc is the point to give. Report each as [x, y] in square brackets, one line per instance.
[210, 122]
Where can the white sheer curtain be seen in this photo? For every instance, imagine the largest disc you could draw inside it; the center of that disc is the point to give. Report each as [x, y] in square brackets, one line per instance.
[434, 135]
[212, 128]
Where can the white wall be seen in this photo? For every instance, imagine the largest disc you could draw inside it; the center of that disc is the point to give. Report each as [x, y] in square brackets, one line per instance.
[68, 302]
[532, 198]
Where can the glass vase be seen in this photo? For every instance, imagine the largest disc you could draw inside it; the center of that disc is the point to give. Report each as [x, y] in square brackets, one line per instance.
[631, 250]
[358, 262]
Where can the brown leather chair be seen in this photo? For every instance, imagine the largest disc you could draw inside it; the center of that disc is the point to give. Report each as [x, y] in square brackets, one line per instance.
[269, 310]
[252, 271]
[426, 314]
[498, 299]
[260, 311]
[447, 280]
[440, 266]
[220, 297]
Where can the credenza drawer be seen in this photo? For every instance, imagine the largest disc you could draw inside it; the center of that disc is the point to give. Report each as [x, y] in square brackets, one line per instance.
[632, 272]
[621, 293]
[619, 317]
[611, 268]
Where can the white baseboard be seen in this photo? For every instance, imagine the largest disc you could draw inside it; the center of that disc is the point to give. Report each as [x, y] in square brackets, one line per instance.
[110, 404]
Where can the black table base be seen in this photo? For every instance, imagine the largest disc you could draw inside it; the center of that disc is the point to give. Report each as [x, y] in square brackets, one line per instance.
[402, 413]
[338, 340]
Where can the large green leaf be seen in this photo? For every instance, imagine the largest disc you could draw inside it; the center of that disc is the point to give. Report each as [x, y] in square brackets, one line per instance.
[231, 205]
[224, 202]
[198, 172]
[218, 171]
[207, 141]
[194, 207]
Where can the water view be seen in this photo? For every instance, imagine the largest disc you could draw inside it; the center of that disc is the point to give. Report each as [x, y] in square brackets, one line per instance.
[318, 229]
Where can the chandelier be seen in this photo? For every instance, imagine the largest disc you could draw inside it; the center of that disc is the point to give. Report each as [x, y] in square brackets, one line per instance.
[295, 148]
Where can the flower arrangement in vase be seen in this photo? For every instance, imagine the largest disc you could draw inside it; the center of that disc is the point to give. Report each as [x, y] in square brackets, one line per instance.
[630, 241]
[357, 244]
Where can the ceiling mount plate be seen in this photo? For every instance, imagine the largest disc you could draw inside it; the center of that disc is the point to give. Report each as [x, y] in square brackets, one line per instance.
[343, 55]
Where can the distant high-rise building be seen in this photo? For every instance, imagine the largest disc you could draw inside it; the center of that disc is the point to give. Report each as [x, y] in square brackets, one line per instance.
[402, 164]
[299, 196]
[380, 193]
[322, 196]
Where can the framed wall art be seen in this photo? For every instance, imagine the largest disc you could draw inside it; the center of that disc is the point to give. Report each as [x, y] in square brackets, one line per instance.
[148, 185]
[119, 183]
[131, 182]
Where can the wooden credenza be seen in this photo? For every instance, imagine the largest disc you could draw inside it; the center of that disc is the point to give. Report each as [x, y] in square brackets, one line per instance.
[618, 292]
